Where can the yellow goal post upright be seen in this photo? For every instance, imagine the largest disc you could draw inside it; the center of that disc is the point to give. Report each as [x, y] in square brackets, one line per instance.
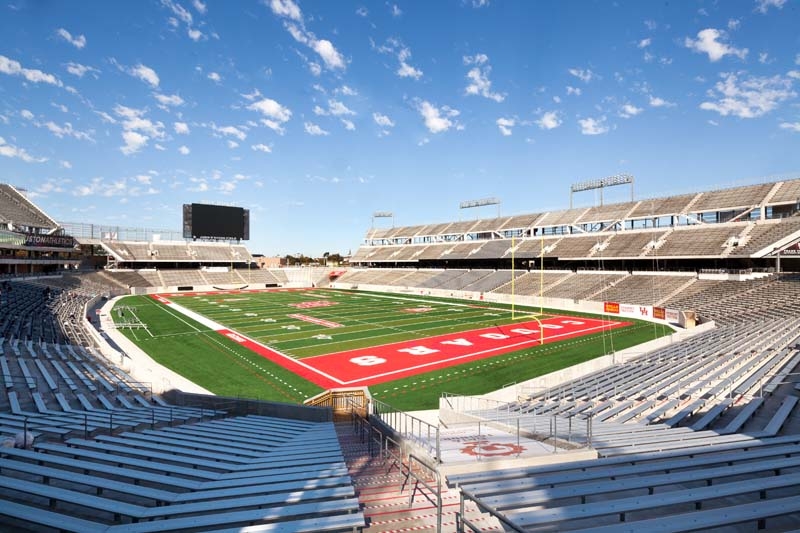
[513, 293]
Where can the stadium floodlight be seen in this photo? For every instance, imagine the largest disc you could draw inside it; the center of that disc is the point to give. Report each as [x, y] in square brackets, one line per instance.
[382, 214]
[479, 203]
[601, 183]
[469, 204]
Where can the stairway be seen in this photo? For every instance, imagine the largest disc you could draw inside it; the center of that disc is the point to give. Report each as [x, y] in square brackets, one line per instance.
[379, 485]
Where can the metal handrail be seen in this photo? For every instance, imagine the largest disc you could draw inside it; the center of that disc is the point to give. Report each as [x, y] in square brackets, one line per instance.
[437, 491]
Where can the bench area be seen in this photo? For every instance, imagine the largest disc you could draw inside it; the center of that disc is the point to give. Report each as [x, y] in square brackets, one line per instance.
[250, 471]
[753, 484]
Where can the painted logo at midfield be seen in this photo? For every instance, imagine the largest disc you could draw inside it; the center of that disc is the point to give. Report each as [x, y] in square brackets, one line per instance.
[312, 304]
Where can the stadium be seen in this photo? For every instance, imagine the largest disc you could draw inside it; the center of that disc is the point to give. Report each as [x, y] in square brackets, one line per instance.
[620, 367]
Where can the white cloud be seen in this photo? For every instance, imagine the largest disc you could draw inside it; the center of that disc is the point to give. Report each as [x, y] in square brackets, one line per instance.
[407, 71]
[396, 11]
[134, 121]
[505, 125]
[629, 110]
[748, 98]
[763, 58]
[181, 128]
[313, 129]
[349, 125]
[67, 131]
[9, 150]
[762, 6]
[229, 131]
[168, 99]
[733, 24]
[14, 68]
[194, 34]
[337, 108]
[332, 58]
[79, 41]
[794, 74]
[27, 115]
[252, 96]
[232, 144]
[791, 126]
[215, 77]
[315, 68]
[709, 41]
[271, 109]
[134, 142]
[585, 75]
[549, 120]
[286, 8]
[362, 11]
[179, 11]
[480, 3]
[65, 164]
[106, 117]
[346, 91]
[644, 43]
[262, 148]
[274, 125]
[184, 150]
[438, 120]
[591, 126]
[324, 48]
[146, 74]
[199, 6]
[573, 90]
[655, 101]
[479, 78]
[651, 24]
[76, 69]
[382, 120]
[403, 53]
[122, 187]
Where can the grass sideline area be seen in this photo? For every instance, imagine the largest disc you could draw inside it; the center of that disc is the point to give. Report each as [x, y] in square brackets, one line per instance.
[299, 323]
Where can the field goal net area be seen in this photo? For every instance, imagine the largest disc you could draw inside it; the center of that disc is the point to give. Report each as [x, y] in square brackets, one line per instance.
[127, 318]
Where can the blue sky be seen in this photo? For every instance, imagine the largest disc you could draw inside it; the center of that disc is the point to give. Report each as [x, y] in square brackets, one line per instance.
[316, 114]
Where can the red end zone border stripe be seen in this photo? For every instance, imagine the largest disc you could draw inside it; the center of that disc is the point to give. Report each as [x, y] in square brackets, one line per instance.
[370, 366]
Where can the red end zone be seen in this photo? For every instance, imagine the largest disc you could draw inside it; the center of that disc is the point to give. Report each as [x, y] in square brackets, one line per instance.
[370, 366]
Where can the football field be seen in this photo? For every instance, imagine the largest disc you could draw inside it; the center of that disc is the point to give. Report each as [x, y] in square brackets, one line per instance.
[332, 338]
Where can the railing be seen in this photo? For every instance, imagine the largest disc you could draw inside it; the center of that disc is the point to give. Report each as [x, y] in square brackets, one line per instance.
[435, 496]
[561, 431]
[392, 452]
[462, 521]
[342, 402]
[410, 428]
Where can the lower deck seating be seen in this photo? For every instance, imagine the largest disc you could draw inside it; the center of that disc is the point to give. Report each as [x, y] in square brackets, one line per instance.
[275, 475]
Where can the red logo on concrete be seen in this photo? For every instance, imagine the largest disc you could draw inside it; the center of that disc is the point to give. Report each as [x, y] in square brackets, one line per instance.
[484, 448]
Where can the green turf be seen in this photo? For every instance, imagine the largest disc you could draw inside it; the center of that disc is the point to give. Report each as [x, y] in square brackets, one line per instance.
[223, 367]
